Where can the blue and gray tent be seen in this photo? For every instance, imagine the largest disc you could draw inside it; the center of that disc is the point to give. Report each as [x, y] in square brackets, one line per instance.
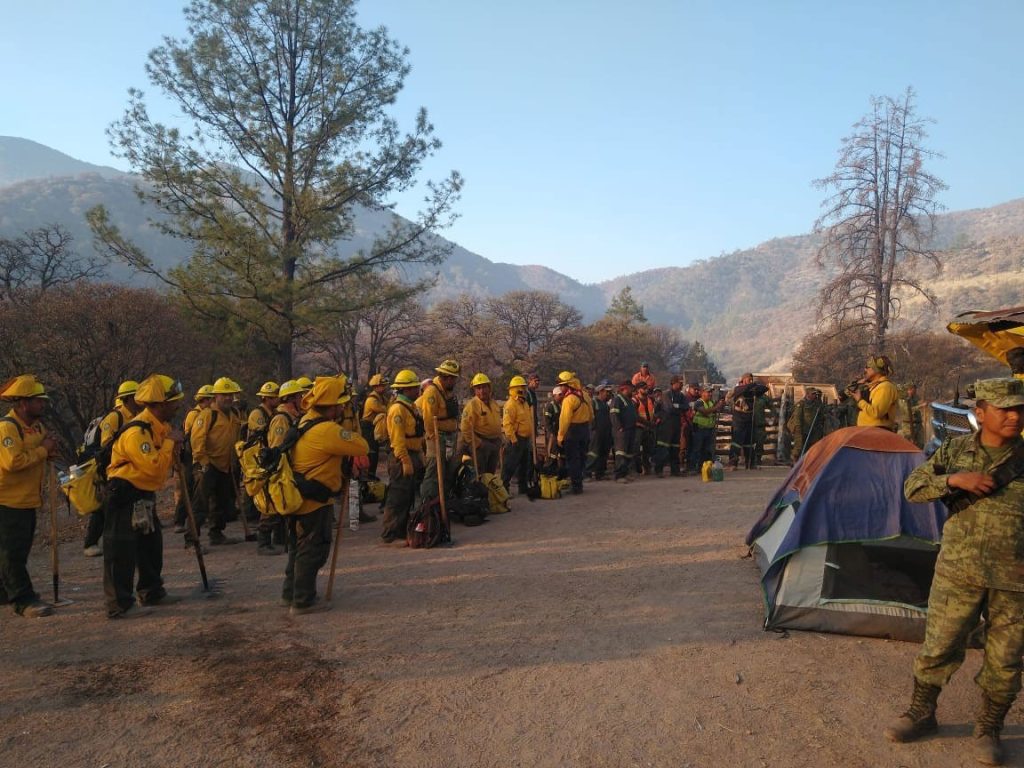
[841, 549]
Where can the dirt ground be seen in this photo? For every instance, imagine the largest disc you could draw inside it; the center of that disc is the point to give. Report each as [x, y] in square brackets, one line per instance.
[619, 628]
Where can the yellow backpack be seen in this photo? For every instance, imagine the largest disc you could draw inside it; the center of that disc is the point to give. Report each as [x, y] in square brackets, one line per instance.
[497, 496]
[550, 487]
[267, 473]
[82, 488]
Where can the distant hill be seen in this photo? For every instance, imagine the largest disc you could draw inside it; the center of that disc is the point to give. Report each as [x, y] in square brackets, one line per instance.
[751, 307]
[21, 160]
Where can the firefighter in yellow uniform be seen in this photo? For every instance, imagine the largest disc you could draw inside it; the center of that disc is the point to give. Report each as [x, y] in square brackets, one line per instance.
[574, 428]
[373, 423]
[24, 450]
[257, 433]
[202, 399]
[878, 409]
[480, 428]
[438, 402]
[140, 463]
[125, 409]
[317, 457]
[213, 438]
[517, 424]
[287, 413]
[405, 437]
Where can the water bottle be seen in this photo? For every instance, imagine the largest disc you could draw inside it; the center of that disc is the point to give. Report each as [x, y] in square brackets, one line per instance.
[355, 505]
[717, 472]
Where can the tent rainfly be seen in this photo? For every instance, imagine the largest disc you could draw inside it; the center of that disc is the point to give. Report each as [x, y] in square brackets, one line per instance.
[841, 549]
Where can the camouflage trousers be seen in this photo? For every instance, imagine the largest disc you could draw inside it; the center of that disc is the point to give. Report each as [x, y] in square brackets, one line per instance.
[953, 612]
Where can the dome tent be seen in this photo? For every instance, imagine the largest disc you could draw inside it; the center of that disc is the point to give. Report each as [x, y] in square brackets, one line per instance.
[839, 547]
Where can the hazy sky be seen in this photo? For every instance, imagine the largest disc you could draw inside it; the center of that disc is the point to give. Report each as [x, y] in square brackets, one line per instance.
[602, 138]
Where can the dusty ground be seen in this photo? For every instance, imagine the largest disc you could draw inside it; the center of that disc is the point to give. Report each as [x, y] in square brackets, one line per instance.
[617, 628]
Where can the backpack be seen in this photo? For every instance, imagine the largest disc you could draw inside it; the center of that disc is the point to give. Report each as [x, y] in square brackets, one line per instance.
[267, 474]
[497, 496]
[87, 478]
[425, 529]
[468, 504]
[94, 436]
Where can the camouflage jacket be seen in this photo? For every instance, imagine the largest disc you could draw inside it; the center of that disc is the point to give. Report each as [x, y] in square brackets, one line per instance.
[984, 544]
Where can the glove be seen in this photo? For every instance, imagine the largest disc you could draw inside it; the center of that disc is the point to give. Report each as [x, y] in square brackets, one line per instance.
[197, 469]
[360, 464]
[407, 469]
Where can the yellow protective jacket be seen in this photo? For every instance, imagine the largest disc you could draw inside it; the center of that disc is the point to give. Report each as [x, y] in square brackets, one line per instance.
[318, 454]
[22, 463]
[432, 405]
[112, 422]
[284, 418]
[215, 446]
[516, 419]
[480, 419]
[141, 456]
[375, 411]
[576, 409]
[404, 433]
[190, 418]
[879, 409]
[259, 420]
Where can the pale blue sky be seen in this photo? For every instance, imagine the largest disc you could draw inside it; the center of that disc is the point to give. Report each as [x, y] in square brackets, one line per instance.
[601, 138]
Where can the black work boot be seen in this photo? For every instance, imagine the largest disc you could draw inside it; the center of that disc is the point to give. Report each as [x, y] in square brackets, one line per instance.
[988, 750]
[919, 719]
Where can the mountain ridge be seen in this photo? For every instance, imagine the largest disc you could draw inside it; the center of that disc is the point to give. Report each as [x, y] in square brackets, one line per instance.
[750, 308]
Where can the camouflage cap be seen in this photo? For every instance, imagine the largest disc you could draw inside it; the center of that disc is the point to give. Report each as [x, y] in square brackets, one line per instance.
[1002, 393]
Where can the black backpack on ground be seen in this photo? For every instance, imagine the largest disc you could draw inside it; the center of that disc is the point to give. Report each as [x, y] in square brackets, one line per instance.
[468, 503]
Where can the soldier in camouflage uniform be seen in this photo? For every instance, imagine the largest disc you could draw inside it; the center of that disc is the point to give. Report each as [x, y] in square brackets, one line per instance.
[980, 566]
[911, 421]
[806, 423]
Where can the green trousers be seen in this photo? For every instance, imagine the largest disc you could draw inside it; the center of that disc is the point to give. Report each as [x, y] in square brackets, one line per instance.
[309, 541]
[953, 612]
[17, 527]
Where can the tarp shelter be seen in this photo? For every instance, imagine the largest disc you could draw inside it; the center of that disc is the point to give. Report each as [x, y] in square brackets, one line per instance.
[840, 548]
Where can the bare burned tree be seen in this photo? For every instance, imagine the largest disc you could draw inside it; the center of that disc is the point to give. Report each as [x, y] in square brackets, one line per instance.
[532, 324]
[41, 259]
[878, 220]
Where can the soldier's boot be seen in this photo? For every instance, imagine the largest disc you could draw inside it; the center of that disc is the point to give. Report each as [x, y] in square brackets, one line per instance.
[919, 719]
[988, 750]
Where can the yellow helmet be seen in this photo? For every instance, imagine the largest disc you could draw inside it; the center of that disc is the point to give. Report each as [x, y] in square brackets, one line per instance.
[449, 368]
[22, 387]
[159, 389]
[517, 381]
[377, 379]
[405, 379]
[565, 377]
[479, 380]
[290, 388]
[305, 382]
[269, 389]
[327, 390]
[224, 386]
[128, 387]
[204, 393]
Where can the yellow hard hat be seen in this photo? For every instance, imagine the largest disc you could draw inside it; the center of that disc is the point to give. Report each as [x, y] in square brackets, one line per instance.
[159, 389]
[566, 376]
[327, 390]
[128, 387]
[404, 379]
[203, 393]
[479, 380]
[517, 381]
[305, 382]
[377, 379]
[290, 388]
[224, 386]
[449, 368]
[269, 389]
[22, 388]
